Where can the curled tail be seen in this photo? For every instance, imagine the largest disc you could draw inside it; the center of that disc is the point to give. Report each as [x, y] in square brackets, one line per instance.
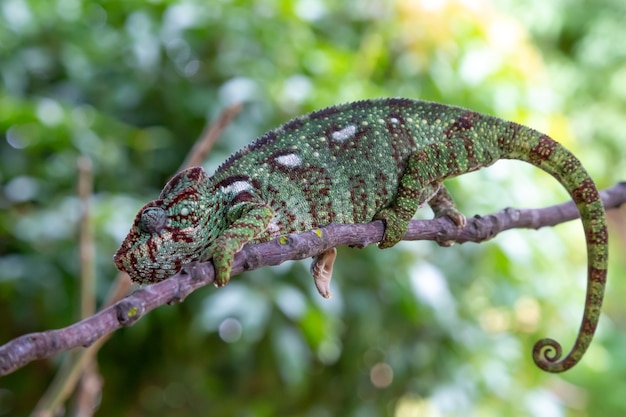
[482, 140]
[455, 141]
[525, 144]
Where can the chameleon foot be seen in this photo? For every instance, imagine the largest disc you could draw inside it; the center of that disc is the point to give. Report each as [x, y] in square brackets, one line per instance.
[442, 205]
[459, 220]
[322, 271]
[456, 216]
[395, 227]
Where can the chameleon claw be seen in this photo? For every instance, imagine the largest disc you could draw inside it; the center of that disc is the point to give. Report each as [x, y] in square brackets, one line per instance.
[322, 271]
[456, 216]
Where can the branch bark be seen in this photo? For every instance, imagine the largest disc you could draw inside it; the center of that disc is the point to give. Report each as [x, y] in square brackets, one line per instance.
[24, 349]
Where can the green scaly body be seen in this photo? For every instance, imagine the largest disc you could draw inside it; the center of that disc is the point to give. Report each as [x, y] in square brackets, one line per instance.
[372, 159]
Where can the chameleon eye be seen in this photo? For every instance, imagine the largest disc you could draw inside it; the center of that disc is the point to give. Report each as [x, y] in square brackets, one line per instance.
[153, 219]
[184, 211]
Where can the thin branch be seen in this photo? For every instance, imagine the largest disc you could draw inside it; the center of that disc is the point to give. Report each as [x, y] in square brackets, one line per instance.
[211, 134]
[71, 369]
[88, 392]
[86, 238]
[126, 312]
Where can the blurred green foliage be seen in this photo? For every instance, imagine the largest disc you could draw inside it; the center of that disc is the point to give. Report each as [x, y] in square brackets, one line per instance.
[413, 331]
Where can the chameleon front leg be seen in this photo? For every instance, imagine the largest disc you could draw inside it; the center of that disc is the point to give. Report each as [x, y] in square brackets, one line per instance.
[252, 221]
[419, 184]
[322, 271]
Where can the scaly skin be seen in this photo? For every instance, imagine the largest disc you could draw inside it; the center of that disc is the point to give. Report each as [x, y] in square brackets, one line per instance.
[372, 159]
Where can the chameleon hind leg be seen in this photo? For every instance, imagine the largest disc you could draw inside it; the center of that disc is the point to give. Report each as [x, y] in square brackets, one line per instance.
[419, 184]
[322, 271]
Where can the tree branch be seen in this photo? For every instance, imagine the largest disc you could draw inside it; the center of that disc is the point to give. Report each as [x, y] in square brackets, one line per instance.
[211, 134]
[21, 350]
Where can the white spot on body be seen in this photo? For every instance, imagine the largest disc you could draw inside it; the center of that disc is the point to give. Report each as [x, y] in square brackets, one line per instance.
[273, 228]
[345, 133]
[290, 160]
[184, 211]
[394, 120]
[236, 187]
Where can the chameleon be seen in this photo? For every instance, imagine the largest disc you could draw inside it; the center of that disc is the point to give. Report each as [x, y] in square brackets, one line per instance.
[376, 159]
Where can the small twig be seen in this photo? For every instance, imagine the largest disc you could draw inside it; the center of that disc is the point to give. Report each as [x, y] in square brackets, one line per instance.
[126, 312]
[211, 134]
[88, 392]
[86, 240]
[72, 368]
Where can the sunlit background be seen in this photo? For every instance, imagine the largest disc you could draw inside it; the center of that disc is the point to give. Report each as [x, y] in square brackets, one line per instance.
[416, 330]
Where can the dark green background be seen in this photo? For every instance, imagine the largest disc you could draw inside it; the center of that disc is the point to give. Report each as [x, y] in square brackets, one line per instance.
[132, 84]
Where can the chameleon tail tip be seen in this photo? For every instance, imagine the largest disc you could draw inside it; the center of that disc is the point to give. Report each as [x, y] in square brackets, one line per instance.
[547, 356]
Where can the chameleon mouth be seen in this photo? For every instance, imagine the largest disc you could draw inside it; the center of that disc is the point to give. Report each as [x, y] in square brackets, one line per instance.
[146, 272]
[119, 260]
[123, 263]
[143, 265]
[128, 259]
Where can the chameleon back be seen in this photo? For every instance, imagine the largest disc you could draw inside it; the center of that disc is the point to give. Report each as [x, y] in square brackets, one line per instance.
[341, 164]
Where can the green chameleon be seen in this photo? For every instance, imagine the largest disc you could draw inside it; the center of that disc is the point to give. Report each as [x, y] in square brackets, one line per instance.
[353, 163]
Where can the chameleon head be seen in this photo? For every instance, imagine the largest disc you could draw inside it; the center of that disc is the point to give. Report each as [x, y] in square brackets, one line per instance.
[169, 232]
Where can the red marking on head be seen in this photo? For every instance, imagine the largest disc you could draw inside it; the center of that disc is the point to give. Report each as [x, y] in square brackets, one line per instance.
[185, 194]
[183, 179]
